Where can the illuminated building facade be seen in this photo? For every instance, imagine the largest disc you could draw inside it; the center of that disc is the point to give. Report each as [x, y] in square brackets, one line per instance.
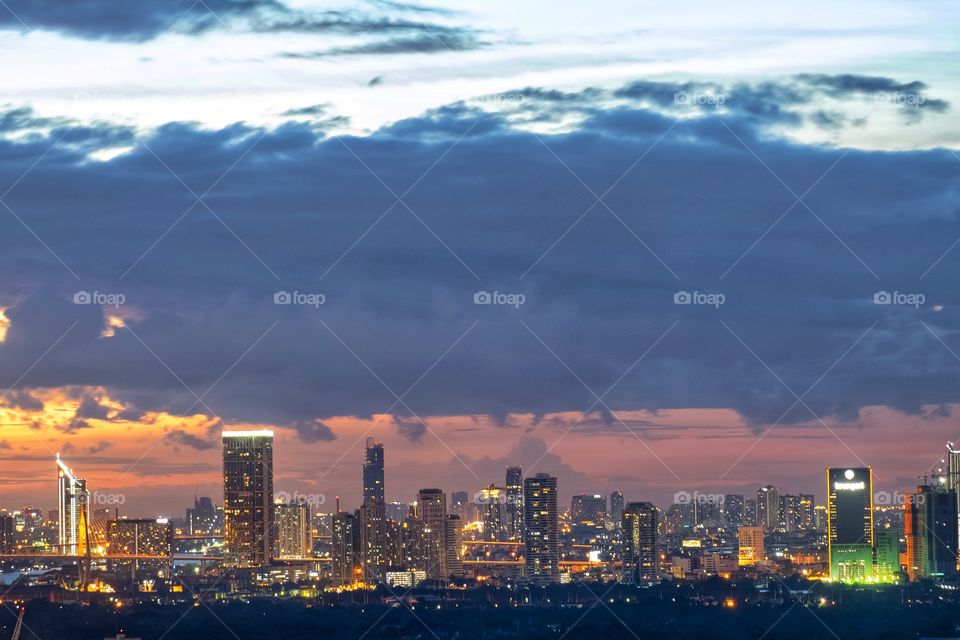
[768, 508]
[293, 535]
[888, 554]
[73, 511]
[140, 537]
[750, 546]
[204, 518]
[616, 508]
[345, 545]
[432, 511]
[373, 477]
[541, 529]
[495, 513]
[248, 507]
[640, 542]
[850, 523]
[514, 486]
[588, 510]
[453, 545]
[6, 533]
[929, 523]
[733, 506]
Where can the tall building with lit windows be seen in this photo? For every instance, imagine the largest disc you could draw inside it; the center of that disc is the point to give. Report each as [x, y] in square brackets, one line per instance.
[432, 512]
[616, 508]
[248, 510]
[929, 523]
[640, 523]
[373, 477]
[850, 545]
[541, 529]
[73, 511]
[293, 536]
[6, 533]
[514, 486]
[750, 550]
[345, 546]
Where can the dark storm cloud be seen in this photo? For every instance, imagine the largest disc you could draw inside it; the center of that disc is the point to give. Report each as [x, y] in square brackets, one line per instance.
[310, 431]
[178, 436]
[302, 213]
[147, 19]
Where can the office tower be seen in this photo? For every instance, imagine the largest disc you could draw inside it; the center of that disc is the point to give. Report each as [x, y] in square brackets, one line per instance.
[414, 545]
[768, 508]
[432, 511]
[588, 510]
[140, 537]
[850, 523]
[344, 553]
[929, 517]
[750, 543]
[733, 509]
[453, 543]
[293, 534]
[372, 518]
[541, 529]
[495, 513]
[460, 505]
[616, 509]
[639, 552]
[888, 554]
[790, 512]
[514, 486]
[73, 505]
[807, 520]
[750, 512]
[373, 488]
[820, 518]
[952, 461]
[6, 533]
[203, 518]
[248, 497]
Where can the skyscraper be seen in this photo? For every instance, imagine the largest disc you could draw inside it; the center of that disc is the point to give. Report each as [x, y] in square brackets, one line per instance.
[733, 508]
[850, 523]
[616, 508]
[460, 505]
[345, 542]
[136, 537]
[514, 487]
[453, 541]
[541, 535]
[768, 508]
[373, 487]
[888, 554]
[929, 519]
[640, 542]
[6, 533]
[203, 518]
[495, 513]
[248, 497]
[73, 509]
[294, 535]
[432, 511]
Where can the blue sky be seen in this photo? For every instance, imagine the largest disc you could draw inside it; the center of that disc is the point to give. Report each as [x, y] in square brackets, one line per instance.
[196, 159]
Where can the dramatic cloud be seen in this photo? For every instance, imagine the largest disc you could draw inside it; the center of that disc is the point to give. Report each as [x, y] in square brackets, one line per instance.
[298, 287]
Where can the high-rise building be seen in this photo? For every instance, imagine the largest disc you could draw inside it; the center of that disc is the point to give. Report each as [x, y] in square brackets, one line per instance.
[248, 497]
[453, 543]
[432, 511]
[293, 533]
[588, 510]
[372, 520]
[929, 517]
[790, 512]
[952, 471]
[345, 544]
[514, 487]
[541, 529]
[888, 554]
[460, 505]
[768, 508]
[373, 487]
[492, 504]
[750, 546]
[140, 537]
[414, 542]
[807, 506]
[397, 511]
[6, 533]
[750, 512]
[733, 509]
[850, 523]
[204, 518]
[616, 508]
[73, 510]
[640, 542]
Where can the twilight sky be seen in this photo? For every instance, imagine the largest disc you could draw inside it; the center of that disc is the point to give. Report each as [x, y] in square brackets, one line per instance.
[167, 167]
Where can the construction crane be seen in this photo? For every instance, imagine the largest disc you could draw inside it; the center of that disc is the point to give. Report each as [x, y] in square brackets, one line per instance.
[16, 629]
